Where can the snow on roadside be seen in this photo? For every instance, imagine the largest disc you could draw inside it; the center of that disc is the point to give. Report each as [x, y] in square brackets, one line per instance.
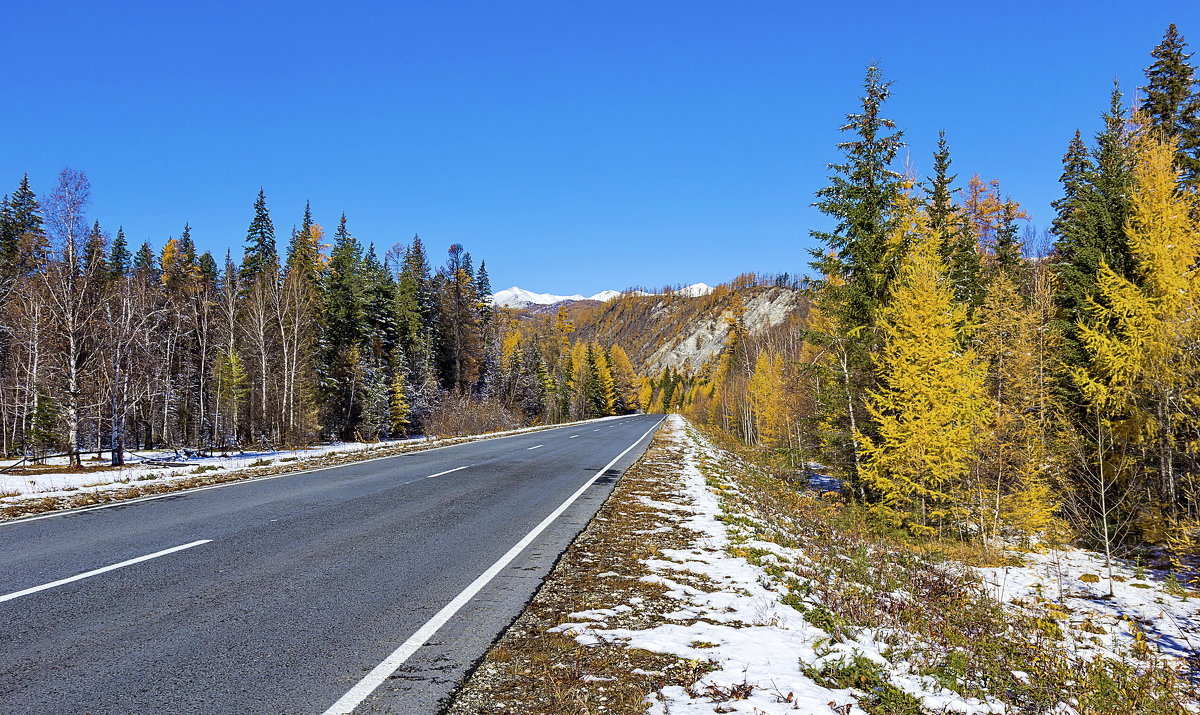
[21, 487]
[1095, 623]
[757, 643]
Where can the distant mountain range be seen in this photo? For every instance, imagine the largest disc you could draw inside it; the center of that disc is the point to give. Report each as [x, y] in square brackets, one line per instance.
[520, 298]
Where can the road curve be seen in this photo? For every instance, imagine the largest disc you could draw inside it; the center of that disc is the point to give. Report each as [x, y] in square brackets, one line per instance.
[312, 593]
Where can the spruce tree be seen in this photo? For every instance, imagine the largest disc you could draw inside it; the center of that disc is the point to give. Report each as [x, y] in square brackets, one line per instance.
[411, 310]
[94, 259]
[118, 256]
[379, 301]
[1171, 103]
[207, 266]
[145, 263]
[260, 255]
[186, 246]
[860, 196]
[958, 248]
[857, 261]
[23, 244]
[344, 334]
[1091, 220]
[1009, 250]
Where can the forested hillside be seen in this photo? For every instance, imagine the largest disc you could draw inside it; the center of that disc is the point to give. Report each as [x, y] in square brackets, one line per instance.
[965, 378]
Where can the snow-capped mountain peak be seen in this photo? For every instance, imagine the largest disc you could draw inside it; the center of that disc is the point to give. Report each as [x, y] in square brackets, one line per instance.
[696, 289]
[520, 298]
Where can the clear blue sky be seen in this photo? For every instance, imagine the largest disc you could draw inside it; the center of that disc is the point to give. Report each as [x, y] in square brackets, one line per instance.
[575, 146]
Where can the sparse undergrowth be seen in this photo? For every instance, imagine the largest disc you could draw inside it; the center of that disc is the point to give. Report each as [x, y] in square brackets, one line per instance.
[855, 577]
[894, 626]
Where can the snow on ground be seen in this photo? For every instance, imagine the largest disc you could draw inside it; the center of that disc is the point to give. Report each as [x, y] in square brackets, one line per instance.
[1094, 622]
[757, 642]
[64, 482]
[18, 487]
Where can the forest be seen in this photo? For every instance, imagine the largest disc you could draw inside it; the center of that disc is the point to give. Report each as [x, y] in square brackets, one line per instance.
[108, 349]
[964, 375]
[968, 379]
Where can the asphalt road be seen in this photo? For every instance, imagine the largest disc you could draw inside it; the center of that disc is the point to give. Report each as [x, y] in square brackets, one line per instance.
[288, 592]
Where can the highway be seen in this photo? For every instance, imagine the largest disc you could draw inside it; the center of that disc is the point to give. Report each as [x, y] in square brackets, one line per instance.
[368, 587]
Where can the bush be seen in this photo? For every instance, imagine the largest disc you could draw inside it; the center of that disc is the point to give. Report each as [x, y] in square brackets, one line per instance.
[459, 415]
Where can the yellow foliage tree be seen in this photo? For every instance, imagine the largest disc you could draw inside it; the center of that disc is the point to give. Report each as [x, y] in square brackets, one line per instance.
[767, 393]
[1144, 338]
[1010, 491]
[930, 405]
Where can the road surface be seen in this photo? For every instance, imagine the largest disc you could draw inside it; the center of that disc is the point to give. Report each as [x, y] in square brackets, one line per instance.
[369, 587]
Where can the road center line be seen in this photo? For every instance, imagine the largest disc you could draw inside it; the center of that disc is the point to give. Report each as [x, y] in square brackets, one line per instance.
[535, 447]
[431, 476]
[380, 673]
[255, 480]
[86, 574]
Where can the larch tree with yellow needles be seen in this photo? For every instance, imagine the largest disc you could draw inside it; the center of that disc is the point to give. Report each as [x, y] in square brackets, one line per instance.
[930, 406]
[1143, 340]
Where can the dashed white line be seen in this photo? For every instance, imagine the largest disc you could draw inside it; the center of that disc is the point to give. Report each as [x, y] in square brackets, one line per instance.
[573, 436]
[431, 476]
[380, 673]
[535, 447]
[95, 572]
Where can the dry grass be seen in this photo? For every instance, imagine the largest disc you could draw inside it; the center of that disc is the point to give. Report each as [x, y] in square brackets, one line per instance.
[531, 670]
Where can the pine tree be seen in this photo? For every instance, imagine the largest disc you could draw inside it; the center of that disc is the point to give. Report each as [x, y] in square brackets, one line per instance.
[260, 257]
[929, 406]
[1171, 102]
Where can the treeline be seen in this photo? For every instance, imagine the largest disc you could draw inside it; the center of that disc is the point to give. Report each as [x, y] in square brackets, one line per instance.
[104, 347]
[965, 388]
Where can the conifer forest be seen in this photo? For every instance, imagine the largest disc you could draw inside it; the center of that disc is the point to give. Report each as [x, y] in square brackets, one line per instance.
[973, 378]
[965, 374]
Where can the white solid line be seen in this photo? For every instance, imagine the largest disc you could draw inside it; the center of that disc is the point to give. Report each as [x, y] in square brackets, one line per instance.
[431, 476]
[380, 673]
[249, 480]
[86, 574]
[534, 447]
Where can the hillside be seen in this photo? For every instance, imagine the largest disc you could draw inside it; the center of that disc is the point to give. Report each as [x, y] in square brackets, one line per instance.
[685, 332]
